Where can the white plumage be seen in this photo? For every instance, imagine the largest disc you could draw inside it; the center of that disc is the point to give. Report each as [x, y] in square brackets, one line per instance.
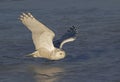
[43, 39]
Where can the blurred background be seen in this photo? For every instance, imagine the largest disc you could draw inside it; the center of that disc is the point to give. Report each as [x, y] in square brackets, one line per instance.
[93, 57]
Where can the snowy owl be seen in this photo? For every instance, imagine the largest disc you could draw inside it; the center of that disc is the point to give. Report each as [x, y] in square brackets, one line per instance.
[42, 37]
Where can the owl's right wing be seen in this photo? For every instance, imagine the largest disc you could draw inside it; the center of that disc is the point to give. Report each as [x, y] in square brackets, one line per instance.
[42, 36]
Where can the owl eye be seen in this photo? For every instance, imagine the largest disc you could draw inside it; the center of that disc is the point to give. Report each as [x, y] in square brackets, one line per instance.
[60, 53]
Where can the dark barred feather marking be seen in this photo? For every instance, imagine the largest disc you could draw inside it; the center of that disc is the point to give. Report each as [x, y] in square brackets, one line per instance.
[72, 32]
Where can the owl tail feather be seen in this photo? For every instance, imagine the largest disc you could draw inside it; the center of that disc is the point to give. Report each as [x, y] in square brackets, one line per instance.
[34, 54]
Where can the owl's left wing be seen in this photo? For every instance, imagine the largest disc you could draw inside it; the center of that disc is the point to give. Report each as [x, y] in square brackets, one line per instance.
[69, 36]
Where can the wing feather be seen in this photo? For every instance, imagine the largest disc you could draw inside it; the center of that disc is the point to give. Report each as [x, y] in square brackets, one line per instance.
[42, 36]
[69, 36]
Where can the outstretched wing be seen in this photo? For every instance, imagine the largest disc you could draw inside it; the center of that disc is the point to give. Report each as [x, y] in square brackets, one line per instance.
[41, 35]
[69, 36]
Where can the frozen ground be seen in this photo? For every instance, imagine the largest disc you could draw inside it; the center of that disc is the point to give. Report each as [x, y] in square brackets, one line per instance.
[93, 57]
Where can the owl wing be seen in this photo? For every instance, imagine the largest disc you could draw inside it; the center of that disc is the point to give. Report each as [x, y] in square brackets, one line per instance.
[69, 36]
[42, 36]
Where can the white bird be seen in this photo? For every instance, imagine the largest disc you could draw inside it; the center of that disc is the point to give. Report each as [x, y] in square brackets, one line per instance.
[42, 37]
